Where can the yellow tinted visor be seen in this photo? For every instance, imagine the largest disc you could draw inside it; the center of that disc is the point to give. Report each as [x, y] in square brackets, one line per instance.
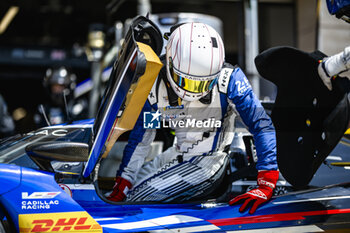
[193, 84]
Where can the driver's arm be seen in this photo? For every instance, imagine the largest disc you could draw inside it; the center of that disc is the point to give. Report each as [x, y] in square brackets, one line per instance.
[260, 125]
[254, 116]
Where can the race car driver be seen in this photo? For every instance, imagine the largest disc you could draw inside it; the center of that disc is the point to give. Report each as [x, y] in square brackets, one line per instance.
[338, 64]
[196, 83]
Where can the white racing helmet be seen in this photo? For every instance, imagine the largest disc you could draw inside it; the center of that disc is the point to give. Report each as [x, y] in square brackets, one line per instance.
[195, 55]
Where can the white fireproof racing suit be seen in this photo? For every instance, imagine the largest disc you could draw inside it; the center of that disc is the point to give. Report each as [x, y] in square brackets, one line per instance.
[338, 64]
[199, 127]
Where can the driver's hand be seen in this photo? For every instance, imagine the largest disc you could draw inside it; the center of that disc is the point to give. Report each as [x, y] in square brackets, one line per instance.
[120, 189]
[267, 182]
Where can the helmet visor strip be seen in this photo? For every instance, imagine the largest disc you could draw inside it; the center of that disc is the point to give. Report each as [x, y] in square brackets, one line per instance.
[194, 84]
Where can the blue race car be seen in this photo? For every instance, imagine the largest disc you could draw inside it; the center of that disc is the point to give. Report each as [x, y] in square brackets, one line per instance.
[35, 197]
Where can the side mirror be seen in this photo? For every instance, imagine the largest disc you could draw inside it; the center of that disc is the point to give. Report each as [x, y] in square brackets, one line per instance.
[45, 152]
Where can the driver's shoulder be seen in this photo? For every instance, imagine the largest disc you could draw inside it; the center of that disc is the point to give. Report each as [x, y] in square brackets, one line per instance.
[225, 76]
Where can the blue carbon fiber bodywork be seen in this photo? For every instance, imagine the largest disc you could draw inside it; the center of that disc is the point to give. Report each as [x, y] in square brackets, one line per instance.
[32, 192]
[36, 192]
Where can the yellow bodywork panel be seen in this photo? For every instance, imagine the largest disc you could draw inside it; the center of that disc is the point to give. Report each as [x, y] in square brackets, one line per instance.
[58, 222]
[136, 97]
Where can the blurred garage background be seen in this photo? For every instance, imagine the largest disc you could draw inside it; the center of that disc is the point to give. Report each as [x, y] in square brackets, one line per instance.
[36, 35]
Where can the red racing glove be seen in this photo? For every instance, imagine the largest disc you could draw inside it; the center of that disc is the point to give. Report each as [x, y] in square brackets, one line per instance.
[120, 189]
[267, 182]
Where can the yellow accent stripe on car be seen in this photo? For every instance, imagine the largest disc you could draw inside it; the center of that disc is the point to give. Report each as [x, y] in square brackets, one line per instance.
[58, 222]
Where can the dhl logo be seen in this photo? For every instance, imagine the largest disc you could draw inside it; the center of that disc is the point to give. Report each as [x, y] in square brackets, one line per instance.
[58, 222]
[62, 224]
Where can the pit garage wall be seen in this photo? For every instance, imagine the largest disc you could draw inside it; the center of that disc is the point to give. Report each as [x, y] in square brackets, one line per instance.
[314, 29]
[317, 29]
[277, 27]
[333, 33]
[306, 30]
